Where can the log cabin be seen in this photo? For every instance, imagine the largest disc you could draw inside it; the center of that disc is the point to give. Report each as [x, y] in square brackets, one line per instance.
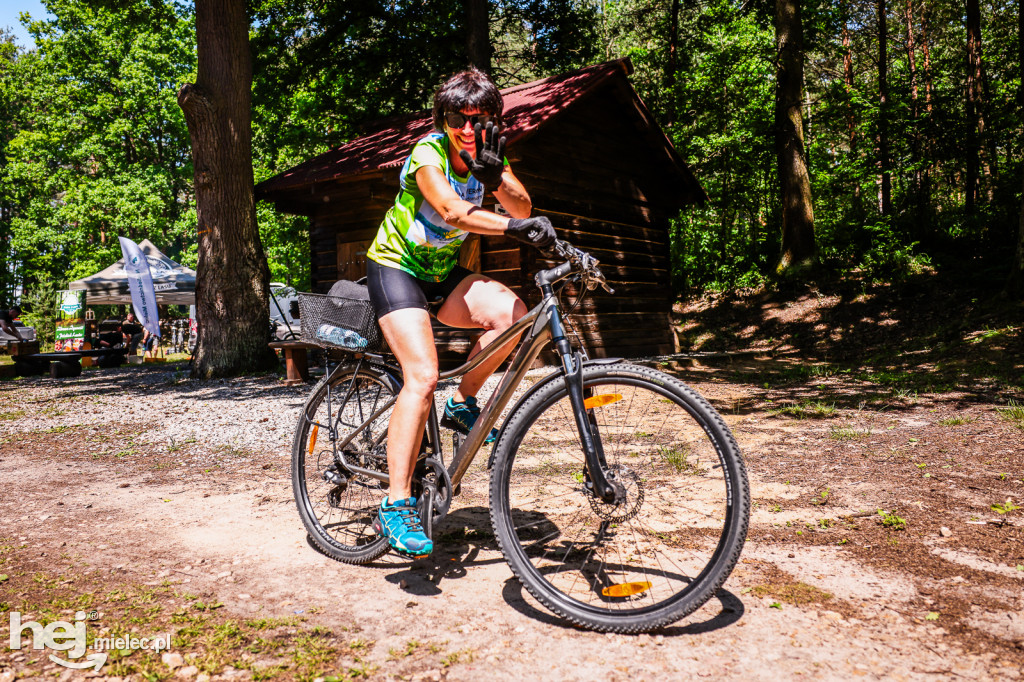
[594, 161]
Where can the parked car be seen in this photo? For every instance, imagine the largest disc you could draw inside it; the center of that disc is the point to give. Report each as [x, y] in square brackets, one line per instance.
[284, 312]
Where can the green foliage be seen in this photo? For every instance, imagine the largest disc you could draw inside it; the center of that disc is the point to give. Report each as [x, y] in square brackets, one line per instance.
[102, 150]
[891, 520]
[93, 144]
[40, 304]
[1005, 507]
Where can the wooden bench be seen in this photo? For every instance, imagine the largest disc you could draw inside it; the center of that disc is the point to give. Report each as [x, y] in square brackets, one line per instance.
[296, 362]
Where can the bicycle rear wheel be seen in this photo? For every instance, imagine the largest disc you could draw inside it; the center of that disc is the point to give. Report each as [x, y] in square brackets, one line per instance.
[337, 506]
[650, 560]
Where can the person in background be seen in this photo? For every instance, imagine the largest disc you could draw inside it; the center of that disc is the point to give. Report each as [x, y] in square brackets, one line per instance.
[7, 318]
[149, 341]
[132, 331]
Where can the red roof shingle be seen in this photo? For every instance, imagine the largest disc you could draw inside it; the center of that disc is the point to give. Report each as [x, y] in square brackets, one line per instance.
[527, 106]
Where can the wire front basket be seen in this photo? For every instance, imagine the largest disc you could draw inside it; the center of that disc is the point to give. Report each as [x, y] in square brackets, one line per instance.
[329, 320]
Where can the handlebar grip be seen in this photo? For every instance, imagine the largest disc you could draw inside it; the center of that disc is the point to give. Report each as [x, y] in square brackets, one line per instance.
[554, 274]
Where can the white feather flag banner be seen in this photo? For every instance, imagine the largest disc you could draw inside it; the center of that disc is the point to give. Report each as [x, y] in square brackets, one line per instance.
[140, 281]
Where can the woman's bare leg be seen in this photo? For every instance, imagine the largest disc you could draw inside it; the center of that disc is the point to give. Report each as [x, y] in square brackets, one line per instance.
[482, 303]
[411, 339]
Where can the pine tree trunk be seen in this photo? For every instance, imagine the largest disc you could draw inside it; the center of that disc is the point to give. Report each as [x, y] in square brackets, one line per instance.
[798, 245]
[975, 119]
[851, 118]
[915, 112]
[232, 277]
[478, 35]
[885, 175]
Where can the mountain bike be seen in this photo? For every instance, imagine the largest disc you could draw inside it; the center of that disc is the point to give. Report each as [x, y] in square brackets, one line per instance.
[618, 495]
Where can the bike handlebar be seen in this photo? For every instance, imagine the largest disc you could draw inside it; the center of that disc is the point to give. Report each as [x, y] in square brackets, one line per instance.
[575, 259]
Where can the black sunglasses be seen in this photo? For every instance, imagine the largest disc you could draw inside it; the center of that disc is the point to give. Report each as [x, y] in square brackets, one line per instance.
[456, 120]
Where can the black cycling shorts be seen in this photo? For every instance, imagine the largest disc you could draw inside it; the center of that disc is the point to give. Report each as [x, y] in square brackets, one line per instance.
[392, 289]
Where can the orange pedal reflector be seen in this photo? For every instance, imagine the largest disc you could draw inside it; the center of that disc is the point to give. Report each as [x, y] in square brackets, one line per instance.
[601, 400]
[625, 589]
[312, 438]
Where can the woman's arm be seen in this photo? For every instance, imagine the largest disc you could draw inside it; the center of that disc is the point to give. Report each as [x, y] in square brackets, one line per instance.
[512, 195]
[460, 213]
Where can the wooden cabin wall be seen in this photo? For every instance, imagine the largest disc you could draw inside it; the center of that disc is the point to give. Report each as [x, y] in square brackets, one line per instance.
[591, 172]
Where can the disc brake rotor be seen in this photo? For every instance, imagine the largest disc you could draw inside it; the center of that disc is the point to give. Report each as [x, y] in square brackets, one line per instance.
[629, 507]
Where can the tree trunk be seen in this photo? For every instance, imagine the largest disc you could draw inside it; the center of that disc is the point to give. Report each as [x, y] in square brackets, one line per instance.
[975, 119]
[1015, 284]
[851, 128]
[478, 35]
[929, 86]
[232, 277]
[885, 175]
[915, 112]
[798, 245]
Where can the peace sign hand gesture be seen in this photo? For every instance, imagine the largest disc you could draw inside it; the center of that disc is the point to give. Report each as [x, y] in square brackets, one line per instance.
[489, 163]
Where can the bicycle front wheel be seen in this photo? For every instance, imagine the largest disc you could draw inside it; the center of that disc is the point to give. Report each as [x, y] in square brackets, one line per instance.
[337, 506]
[656, 556]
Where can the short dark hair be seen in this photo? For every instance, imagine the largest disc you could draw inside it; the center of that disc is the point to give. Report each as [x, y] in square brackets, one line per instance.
[469, 89]
[15, 310]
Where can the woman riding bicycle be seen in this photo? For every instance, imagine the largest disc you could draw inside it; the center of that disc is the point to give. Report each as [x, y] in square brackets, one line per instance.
[415, 258]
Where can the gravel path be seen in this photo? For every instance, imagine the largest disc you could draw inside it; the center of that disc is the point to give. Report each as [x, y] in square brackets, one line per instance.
[253, 413]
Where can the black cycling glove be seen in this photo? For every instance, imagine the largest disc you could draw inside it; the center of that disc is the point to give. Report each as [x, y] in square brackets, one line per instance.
[533, 231]
[489, 163]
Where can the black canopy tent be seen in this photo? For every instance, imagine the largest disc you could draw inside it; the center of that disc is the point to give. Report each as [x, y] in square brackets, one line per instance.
[173, 283]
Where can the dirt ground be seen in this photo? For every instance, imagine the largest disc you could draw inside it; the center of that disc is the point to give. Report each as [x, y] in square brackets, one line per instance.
[886, 539]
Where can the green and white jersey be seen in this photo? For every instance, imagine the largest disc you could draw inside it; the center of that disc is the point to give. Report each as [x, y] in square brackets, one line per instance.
[413, 237]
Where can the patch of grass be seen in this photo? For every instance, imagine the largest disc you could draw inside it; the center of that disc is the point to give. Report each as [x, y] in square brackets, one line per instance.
[848, 433]
[795, 593]
[823, 498]
[312, 656]
[232, 451]
[1014, 413]
[679, 458]
[410, 648]
[957, 420]
[460, 656]
[13, 414]
[806, 410]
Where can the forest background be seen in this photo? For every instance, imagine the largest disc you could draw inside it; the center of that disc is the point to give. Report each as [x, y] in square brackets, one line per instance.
[909, 116]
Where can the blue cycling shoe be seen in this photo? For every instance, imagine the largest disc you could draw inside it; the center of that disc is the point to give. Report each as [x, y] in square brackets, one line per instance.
[462, 416]
[400, 524]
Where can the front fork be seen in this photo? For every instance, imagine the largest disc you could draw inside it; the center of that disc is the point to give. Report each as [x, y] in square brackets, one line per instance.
[606, 489]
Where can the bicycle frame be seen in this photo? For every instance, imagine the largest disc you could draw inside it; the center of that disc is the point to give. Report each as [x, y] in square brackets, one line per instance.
[545, 323]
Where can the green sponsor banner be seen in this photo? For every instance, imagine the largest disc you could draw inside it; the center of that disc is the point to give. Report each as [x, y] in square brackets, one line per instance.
[70, 320]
